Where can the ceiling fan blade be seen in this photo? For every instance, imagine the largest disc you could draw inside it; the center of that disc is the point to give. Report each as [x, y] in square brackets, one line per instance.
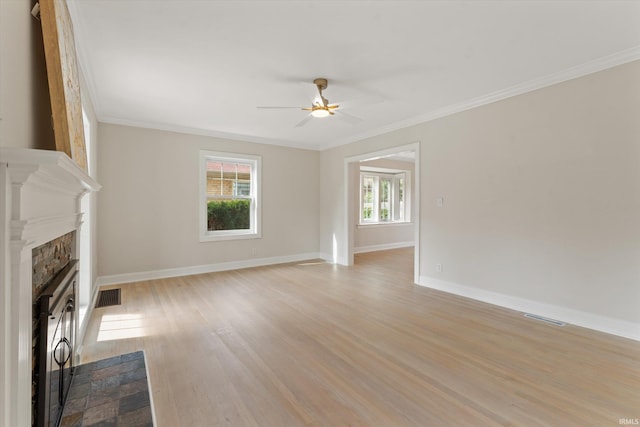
[304, 121]
[347, 117]
[275, 107]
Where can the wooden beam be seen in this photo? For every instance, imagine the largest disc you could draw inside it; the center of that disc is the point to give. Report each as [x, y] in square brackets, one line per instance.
[64, 83]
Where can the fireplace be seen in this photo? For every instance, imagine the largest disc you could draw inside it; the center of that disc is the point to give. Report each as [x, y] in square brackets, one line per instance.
[40, 202]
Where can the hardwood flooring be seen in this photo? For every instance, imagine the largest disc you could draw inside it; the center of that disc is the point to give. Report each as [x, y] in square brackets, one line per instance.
[314, 344]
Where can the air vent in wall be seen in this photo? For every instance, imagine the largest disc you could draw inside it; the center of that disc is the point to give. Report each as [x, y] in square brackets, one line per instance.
[544, 319]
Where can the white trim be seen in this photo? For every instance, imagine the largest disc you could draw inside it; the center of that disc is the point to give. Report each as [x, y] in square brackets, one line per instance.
[7, 329]
[584, 319]
[44, 229]
[385, 224]
[82, 328]
[385, 171]
[330, 259]
[153, 408]
[116, 279]
[143, 124]
[229, 235]
[382, 247]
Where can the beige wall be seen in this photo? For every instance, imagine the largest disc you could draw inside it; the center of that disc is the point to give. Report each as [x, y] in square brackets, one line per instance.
[25, 112]
[541, 195]
[148, 204]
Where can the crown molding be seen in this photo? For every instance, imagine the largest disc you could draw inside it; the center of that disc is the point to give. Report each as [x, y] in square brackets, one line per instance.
[206, 132]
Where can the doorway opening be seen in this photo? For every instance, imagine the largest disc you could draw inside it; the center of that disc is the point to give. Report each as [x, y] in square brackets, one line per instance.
[382, 206]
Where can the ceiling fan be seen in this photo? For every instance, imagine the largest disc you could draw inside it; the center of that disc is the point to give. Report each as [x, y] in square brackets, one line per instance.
[320, 107]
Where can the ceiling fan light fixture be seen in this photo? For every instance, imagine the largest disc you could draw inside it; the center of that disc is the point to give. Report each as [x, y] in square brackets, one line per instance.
[320, 113]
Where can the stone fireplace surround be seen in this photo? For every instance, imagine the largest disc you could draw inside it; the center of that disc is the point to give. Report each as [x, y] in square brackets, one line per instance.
[40, 194]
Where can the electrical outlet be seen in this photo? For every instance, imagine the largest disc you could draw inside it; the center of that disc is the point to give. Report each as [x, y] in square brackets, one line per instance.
[439, 268]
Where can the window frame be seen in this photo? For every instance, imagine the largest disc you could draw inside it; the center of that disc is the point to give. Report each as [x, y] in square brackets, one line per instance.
[395, 216]
[254, 231]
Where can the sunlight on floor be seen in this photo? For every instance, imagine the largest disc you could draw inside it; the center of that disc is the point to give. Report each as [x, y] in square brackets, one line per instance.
[120, 327]
[312, 262]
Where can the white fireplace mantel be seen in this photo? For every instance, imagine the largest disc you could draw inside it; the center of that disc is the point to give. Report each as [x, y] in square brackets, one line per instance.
[40, 194]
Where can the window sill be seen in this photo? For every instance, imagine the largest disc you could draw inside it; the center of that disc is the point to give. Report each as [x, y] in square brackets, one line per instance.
[236, 235]
[385, 224]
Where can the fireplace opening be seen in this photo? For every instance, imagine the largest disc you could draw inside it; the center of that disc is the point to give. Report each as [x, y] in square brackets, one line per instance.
[54, 284]
[55, 346]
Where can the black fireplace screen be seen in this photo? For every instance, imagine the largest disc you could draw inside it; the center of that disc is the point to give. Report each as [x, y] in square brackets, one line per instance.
[55, 354]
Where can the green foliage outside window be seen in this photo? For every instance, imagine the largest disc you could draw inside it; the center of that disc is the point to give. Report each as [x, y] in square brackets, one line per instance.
[228, 215]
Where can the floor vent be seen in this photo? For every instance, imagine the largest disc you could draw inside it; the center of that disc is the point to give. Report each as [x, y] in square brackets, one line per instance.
[545, 319]
[108, 297]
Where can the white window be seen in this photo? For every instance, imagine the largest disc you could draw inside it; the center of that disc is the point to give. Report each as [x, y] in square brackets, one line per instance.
[383, 197]
[229, 196]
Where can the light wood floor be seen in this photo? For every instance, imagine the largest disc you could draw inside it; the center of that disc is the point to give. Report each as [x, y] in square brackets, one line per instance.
[323, 345]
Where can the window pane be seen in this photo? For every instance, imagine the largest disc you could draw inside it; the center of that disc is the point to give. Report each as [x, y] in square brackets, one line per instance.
[385, 200]
[368, 198]
[400, 208]
[228, 179]
[229, 214]
[214, 178]
[241, 188]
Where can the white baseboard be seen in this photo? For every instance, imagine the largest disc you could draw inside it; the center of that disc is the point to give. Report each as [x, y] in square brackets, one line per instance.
[584, 319]
[327, 257]
[116, 279]
[382, 247]
[153, 408]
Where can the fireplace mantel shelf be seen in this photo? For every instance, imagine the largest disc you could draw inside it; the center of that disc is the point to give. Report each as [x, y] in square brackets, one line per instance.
[51, 167]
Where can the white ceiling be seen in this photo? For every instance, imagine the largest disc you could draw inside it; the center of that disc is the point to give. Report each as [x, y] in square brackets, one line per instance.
[204, 66]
